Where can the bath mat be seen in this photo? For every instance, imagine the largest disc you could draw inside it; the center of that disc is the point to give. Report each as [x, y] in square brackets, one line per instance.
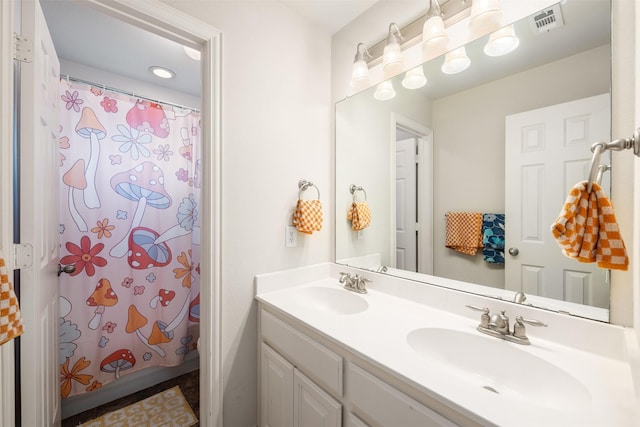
[168, 408]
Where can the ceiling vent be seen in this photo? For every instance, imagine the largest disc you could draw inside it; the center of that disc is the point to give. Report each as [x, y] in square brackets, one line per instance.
[548, 19]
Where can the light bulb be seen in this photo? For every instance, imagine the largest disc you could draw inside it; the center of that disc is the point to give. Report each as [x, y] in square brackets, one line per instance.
[414, 78]
[162, 72]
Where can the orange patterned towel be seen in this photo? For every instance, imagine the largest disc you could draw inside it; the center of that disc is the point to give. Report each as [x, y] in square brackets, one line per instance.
[464, 232]
[10, 317]
[587, 230]
[359, 215]
[308, 216]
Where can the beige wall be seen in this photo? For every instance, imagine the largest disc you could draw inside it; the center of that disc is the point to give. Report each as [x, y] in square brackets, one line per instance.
[469, 146]
[276, 112]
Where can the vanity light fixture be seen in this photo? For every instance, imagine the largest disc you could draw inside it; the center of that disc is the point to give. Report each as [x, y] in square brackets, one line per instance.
[192, 53]
[162, 72]
[360, 72]
[434, 35]
[502, 42]
[456, 61]
[392, 54]
[414, 78]
[384, 91]
[485, 15]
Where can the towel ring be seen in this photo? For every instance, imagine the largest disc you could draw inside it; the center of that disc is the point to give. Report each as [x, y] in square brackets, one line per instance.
[303, 185]
[354, 189]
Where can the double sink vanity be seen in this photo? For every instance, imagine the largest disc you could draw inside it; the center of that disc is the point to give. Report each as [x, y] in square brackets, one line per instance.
[407, 354]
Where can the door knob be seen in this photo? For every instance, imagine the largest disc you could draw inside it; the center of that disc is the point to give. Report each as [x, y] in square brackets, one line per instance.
[514, 251]
[66, 269]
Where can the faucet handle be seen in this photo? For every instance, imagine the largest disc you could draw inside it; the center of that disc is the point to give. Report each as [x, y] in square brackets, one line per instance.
[531, 322]
[484, 319]
[520, 332]
[485, 310]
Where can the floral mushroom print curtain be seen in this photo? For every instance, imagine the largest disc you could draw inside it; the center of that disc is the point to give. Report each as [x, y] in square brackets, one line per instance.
[130, 226]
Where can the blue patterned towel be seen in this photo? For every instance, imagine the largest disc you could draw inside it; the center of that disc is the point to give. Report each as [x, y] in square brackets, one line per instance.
[493, 238]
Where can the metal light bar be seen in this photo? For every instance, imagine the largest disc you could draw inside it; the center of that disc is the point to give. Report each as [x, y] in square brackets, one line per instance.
[453, 11]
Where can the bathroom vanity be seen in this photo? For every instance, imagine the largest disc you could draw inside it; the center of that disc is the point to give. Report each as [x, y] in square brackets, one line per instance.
[409, 354]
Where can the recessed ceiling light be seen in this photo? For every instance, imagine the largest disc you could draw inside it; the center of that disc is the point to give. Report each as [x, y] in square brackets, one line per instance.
[162, 72]
[192, 53]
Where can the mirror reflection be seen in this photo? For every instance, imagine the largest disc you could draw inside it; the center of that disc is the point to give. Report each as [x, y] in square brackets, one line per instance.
[505, 139]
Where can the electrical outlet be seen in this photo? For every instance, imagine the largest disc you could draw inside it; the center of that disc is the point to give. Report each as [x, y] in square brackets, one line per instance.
[291, 236]
[360, 234]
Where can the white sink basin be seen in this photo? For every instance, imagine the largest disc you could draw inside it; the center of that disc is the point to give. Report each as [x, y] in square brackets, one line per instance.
[499, 367]
[333, 300]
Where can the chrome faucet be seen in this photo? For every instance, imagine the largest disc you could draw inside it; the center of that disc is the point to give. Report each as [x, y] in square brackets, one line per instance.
[382, 269]
[497, 326]
[354, 283]
[519, 297]
[499, 323]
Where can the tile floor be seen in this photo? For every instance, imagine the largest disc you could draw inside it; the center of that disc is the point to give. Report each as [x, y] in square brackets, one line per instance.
[189, 385]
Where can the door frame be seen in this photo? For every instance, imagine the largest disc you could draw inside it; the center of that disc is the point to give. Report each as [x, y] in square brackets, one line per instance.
[7, 359]
[165, 21]
[424, 180]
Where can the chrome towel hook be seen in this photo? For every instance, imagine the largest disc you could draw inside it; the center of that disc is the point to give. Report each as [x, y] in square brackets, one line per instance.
[632, 143]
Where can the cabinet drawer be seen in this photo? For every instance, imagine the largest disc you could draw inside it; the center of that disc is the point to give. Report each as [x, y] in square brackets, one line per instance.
[315, 360]
[380, 403]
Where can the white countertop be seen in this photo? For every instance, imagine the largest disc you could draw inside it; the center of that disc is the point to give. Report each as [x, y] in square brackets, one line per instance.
[598, 357]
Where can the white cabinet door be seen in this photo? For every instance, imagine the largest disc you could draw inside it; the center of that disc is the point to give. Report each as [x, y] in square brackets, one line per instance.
[312, 407]
[39, 293]
[276, 390]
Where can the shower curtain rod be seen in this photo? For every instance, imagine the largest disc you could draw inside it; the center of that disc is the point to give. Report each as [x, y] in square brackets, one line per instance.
[68, 78]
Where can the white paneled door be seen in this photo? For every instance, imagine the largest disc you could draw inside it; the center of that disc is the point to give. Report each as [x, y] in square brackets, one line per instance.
[39, 293]
[406, 209]
[547, 152]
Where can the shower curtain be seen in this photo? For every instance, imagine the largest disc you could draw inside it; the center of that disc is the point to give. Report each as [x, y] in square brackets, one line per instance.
[130, 228]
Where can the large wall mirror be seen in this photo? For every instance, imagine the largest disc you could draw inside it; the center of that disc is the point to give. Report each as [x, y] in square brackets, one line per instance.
[510, 135]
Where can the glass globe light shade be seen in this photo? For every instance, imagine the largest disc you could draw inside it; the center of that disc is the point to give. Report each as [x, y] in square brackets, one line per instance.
[456, 61]
[392, 59]
[360, 75]
[384, 91]
[502, 42]
[414, 78]
[485, 15]
[434, 34]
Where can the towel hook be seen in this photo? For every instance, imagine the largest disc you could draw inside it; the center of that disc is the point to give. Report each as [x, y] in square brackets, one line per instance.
[353, 189]
[632, 143]
[303, 185]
